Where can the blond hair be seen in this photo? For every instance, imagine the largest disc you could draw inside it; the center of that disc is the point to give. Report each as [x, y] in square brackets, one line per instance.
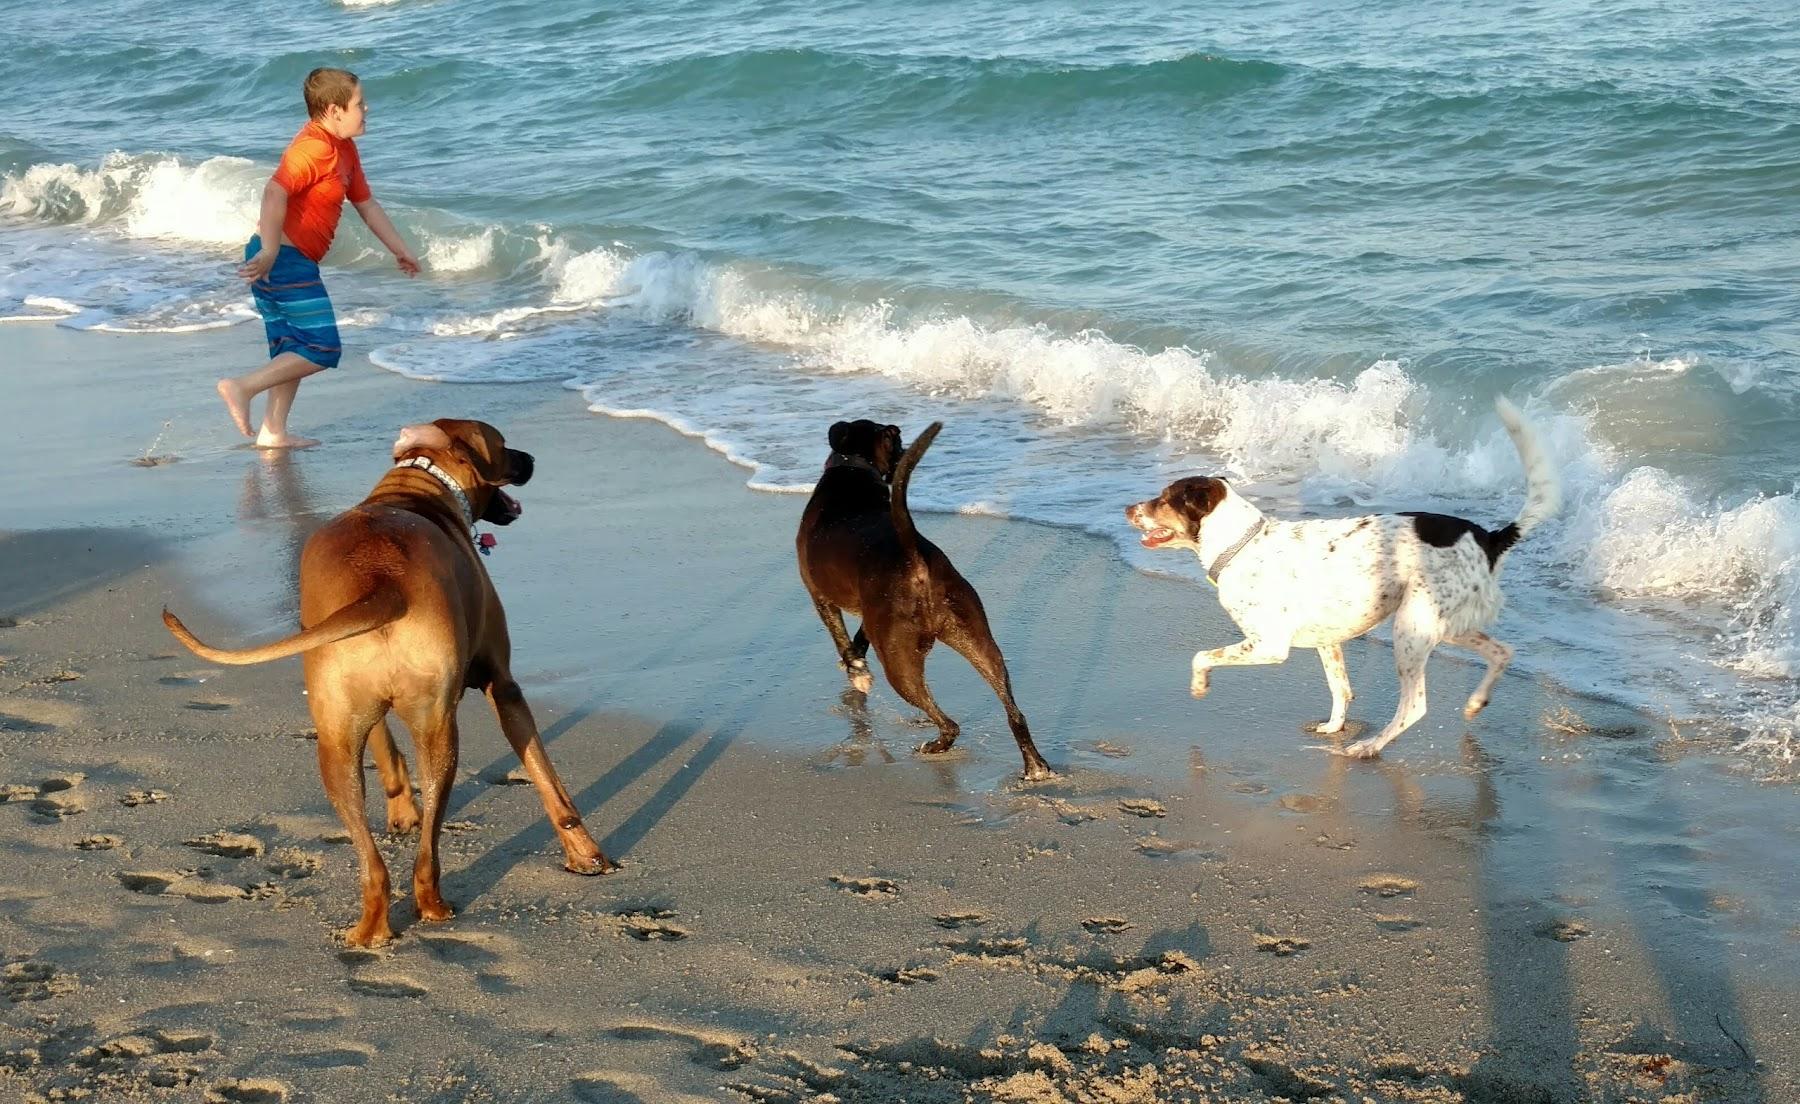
[326, 87]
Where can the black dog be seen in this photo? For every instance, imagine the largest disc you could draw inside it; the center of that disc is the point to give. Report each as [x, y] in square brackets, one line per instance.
[860, 553]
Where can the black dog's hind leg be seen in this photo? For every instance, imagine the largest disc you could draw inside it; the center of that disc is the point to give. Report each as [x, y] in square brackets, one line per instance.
[974, 641]
[903, 661]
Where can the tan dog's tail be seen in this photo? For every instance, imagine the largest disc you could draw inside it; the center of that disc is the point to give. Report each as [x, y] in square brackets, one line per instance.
[371, 611]
[903, 522]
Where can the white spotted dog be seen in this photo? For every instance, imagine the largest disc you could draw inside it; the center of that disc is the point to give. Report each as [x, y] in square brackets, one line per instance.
[1316, 584]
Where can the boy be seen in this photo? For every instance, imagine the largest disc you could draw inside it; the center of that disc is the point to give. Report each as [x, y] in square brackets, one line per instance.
[300, 209]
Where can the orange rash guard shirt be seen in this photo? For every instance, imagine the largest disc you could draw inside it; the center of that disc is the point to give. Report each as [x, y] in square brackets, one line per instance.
[318, 172]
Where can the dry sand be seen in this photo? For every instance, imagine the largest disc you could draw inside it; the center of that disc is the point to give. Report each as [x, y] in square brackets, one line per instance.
[1561, 902]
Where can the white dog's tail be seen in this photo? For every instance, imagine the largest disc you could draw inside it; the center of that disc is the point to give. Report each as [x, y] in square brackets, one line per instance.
[1543, 490]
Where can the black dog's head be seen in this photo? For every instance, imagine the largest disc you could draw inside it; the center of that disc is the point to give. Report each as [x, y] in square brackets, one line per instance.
[1174, 518]
[475, 454]
[879, 445]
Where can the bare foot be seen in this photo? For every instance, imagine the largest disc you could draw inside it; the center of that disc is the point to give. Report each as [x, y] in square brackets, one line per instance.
[267, 440]
[237, 403]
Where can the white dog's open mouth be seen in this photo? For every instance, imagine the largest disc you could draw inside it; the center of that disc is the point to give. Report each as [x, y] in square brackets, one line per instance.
[1157, 537]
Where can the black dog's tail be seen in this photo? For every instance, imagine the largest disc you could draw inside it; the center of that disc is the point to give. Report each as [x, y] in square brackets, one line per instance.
[903, 522]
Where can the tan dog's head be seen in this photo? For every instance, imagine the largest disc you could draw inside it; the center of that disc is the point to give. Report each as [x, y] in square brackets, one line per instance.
[476, 456]
[879, 444]
[1173, 519]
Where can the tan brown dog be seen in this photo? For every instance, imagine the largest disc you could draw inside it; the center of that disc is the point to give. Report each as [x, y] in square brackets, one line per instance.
[399, 613]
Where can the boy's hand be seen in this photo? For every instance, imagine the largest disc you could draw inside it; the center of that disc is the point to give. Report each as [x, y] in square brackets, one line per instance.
[258, 266]
[407, 262]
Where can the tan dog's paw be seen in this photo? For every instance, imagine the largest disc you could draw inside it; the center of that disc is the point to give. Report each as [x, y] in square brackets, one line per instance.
[369, 935]
[588, 867]
[402, 816]
[862, 681]
[1200, 685]
[433, 908]
[1472, 707]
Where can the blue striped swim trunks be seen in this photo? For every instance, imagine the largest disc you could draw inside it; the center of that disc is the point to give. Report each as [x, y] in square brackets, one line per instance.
[295, 310]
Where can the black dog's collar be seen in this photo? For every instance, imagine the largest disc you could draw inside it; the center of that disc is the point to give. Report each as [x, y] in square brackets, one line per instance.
[843, 460]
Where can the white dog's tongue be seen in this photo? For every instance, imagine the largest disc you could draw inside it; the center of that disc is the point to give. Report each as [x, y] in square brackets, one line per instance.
[1157, 536]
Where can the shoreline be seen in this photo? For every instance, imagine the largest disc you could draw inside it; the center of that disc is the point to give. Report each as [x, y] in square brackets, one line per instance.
[1200, 904]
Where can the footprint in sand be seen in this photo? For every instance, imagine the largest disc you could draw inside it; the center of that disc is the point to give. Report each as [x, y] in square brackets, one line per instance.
[1281, 946]
[55, 806]
[135, 798]
[1142, 807]
[1397, 923]
[908, 975]
[1564, 930]
[650, 925]
[720, 1052]
[1160, 847]
[34, 981]
[231, 845]
[99, 842]
[1251, 788]
[211, 893]
[57, 783]
[1107, 925]
[247, 1090]
[955, 921]
[150, 882]
[209, 705]
[1072, 814]
[291, 862]
[179, 883]
[181, 1042]
[474, 953]
[394, 986]
[1302, 803]
[173, 1077]
[1388, 885]
[1004, 947]
[866, 887]
[498, 777]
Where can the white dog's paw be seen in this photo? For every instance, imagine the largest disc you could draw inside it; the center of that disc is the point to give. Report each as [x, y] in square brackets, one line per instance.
[1362, 749]
[1326, 728]
[1472, 707]
[1200, 684]
[862, 681]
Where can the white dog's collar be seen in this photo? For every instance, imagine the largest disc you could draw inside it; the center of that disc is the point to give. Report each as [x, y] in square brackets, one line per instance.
[424, 464]
[1219, 565]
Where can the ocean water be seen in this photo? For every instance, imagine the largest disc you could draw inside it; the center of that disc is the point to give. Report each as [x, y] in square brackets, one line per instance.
[1301, 244]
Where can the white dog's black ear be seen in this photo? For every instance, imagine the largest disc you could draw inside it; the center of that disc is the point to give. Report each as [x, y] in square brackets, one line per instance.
[836, 436]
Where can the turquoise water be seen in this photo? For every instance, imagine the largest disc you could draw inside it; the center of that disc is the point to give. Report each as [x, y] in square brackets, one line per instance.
[1302, 243]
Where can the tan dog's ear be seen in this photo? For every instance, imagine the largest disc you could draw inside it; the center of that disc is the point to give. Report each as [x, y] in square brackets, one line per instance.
[426, 436]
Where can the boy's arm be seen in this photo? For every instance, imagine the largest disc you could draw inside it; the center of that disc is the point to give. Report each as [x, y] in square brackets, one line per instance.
[383, 227]
[268, 227]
